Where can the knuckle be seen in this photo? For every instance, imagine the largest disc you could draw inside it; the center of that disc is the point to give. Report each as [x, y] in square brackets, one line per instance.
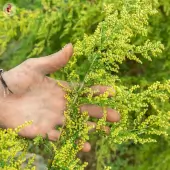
[30, 60]
[29, 63]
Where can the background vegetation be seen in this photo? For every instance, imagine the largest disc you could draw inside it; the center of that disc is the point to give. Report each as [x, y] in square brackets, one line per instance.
[122, 43]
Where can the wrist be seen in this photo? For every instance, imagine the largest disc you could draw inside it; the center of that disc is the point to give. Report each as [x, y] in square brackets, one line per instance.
[3, 105]
[4, 89]
[1, 90]
[1, 83]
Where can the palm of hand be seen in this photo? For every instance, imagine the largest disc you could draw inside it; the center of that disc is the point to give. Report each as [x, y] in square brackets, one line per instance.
[40, 99]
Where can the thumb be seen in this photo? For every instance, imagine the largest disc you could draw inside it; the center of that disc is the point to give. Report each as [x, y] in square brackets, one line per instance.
[56, 61]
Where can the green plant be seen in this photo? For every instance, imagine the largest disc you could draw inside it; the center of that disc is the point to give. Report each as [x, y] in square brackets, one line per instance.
[111, 40]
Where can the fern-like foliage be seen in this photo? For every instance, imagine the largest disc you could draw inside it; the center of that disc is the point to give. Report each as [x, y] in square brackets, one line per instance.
[107, 35]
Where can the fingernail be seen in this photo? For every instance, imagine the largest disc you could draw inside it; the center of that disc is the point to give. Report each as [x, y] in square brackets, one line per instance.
[118, 116]
[66, 45]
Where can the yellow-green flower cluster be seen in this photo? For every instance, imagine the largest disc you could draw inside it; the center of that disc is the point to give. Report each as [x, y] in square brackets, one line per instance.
[97, 60]
[103, 53]
[13, 150]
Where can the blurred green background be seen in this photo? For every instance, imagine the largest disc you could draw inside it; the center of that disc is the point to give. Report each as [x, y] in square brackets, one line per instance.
[45, 26]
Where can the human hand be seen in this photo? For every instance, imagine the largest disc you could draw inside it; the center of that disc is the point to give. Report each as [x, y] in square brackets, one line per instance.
[39, 98]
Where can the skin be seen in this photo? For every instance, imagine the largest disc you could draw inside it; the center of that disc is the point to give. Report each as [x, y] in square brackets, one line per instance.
[38, 98]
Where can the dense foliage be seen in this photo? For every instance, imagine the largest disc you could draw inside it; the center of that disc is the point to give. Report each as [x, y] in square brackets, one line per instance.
[120, 43]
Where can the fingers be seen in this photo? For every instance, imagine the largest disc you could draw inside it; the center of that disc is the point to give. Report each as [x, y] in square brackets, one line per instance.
[64, 84]
[86, 147]
[98, 89]
[32, 132]
[97, 112]
[29, 131]
[54, 62]
[53, 135]
[93, 127]
[60, 120]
